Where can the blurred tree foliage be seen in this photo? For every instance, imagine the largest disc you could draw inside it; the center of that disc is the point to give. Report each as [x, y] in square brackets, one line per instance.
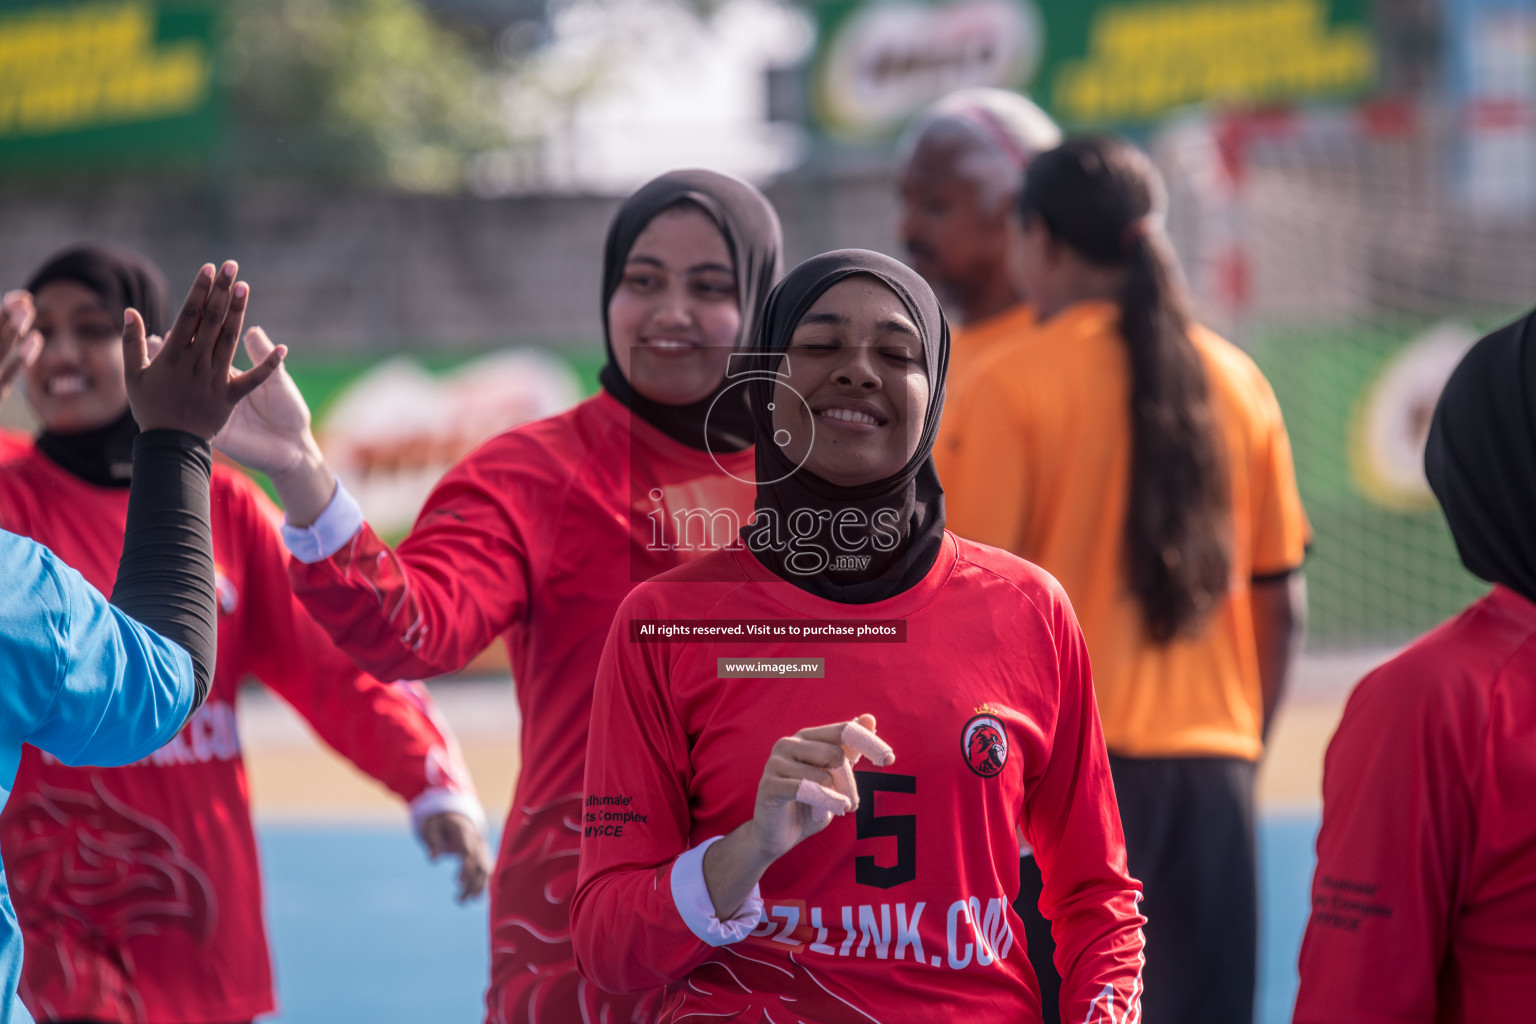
[366, 90]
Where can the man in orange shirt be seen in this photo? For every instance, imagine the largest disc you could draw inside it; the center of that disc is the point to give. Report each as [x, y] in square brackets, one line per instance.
[962, 165]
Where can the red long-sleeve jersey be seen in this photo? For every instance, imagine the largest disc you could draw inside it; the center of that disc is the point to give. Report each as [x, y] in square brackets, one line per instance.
[13, 443]
[1425, 893]
[537, 535]
[901, 910]
[138, 888]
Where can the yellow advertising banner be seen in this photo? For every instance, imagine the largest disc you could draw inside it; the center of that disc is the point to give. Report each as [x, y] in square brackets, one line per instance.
[106, 81]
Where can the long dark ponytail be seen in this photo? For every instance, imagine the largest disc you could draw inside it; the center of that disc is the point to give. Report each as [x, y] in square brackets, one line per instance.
[1102, 198]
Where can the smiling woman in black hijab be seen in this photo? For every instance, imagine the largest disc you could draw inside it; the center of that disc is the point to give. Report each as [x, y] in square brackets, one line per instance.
[1428, 781]
[76, 385]
[673, 387]
[848, 598]
[538, 534]
[809, 415]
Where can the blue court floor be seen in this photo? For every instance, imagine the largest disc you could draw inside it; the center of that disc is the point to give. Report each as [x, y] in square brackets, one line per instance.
[364, 930]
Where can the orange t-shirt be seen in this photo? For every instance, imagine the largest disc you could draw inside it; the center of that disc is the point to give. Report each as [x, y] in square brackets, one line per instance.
[1041, 466]
[967, 347]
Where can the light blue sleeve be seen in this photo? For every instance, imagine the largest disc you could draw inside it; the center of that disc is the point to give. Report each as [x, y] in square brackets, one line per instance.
[83, 681]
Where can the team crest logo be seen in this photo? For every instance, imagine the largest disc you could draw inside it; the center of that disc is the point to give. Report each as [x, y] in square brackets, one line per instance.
[984, 744]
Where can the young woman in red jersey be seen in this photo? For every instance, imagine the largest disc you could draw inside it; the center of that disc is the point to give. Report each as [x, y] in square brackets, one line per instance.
[138, 889]
[734, 885]
[538, 535]
[1425, 890]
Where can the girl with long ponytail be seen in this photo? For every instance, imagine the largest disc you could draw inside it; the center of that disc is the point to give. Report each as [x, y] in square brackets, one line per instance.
[1143, 461]
[1178, 539]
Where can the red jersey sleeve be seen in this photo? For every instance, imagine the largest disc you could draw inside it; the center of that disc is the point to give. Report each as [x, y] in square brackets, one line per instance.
[626, 929]
[1392, 854]
[438, 599]
[13, 442]
[392, 732]
[1073, 823]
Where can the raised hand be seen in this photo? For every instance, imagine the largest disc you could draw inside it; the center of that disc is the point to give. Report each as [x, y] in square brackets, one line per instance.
[20, 344]
[189, 385]
[269, 431]
[809, 779]
[841, 795]
[453, 834]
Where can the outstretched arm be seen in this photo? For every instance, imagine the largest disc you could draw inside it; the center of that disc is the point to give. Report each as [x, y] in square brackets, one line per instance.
[180, 400]
[270, 433]
[392, 732]
[95, 683]
[421, 610]
[20, 344]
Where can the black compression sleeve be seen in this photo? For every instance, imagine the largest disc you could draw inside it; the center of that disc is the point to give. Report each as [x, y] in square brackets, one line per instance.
[165, 576]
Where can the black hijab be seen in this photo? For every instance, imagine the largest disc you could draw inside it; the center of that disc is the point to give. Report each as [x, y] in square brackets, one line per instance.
[912, 494]
[751, 229]
[103, 455]
[1481, 456]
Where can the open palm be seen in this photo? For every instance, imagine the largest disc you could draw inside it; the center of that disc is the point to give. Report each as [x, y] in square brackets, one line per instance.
[20, 344]
[270, 430]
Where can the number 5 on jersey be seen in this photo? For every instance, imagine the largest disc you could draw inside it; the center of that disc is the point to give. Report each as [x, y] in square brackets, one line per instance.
[901, 827]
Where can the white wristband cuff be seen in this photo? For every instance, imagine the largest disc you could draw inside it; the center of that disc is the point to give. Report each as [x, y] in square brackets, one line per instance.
[330, 531]
[437, 800]
[691, 896]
